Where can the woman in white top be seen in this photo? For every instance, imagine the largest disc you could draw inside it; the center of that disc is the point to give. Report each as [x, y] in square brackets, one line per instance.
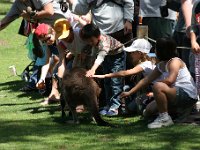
[176, 90]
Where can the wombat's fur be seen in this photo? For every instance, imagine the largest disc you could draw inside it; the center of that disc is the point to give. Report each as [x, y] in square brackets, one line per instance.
[78, 89]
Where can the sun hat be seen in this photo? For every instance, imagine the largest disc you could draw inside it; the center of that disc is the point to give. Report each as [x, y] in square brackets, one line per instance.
[141, 45]
[42, 29]
[62, 28]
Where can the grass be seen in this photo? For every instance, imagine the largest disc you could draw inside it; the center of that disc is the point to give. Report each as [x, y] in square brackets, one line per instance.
[24, 124]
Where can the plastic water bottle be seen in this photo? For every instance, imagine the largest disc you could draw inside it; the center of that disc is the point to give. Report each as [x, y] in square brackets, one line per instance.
[13, 70]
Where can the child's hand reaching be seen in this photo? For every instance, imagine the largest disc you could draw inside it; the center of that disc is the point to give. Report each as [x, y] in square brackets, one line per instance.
[40, 84]
[124, 94]
[90, 73]
[99, 76]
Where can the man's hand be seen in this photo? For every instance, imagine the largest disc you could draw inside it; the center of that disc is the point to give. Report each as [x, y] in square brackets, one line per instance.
[25, 15]
[127, 27]
[195, 47]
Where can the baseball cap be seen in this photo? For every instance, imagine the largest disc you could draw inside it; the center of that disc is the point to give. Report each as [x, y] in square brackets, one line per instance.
[141, 45]
[62, 27]
[42, 29]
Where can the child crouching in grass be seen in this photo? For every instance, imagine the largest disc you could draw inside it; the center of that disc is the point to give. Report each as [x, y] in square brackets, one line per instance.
[138, 52]
[112, 57]
[176, 90]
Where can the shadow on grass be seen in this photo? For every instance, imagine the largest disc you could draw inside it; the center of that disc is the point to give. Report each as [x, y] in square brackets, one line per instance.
[15, 104]
[92, 135]
[52, 109]
[14, 86]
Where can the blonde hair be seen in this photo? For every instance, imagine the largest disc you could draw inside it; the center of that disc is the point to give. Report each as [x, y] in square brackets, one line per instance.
[144, 57]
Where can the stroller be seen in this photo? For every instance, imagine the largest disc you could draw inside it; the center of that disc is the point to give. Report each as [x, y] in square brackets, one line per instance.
[31, 74]
[27, 72]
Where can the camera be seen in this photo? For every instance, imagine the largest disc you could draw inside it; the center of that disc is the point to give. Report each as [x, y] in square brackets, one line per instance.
[63, 5]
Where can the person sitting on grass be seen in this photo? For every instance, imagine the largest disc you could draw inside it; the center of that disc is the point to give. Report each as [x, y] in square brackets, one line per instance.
[138, 52]
[176, 91]
[112, 57]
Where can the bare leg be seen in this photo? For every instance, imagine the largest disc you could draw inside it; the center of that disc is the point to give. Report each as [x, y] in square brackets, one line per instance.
[163, 95]
[54, 95]
[151, 109]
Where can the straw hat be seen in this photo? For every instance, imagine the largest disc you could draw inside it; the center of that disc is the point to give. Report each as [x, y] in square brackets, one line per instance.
[62, 28]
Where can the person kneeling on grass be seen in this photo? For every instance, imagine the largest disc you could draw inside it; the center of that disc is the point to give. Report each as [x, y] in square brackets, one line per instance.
[176, 91]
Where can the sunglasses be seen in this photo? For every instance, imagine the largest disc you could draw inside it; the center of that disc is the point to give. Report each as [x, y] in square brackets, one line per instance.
[46, 38]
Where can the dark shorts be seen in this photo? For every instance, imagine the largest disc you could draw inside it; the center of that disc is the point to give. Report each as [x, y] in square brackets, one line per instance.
[183, 100]
[53, 49]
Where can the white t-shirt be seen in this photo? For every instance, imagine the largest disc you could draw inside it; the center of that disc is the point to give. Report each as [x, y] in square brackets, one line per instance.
[77, 44]
[76, 47]
[148, 67]
[151, 8]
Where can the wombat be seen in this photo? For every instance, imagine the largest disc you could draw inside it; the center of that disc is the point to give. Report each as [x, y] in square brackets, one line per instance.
[77, 89]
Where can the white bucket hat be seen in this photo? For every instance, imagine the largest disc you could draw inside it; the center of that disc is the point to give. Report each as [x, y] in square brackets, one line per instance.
[141, 45]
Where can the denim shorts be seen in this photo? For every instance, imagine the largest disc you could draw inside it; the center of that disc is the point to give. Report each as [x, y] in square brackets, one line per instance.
[183, 100]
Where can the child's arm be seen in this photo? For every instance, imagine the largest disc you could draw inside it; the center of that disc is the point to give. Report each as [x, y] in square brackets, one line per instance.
[142, 83]
[97, 63]
[135, 70]
[45, 68]
[92, 71]
[173, 67]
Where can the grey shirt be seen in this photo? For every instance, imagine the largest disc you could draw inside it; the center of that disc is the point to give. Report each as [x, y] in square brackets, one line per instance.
[18, 7]
[151, 8]
[109, 17]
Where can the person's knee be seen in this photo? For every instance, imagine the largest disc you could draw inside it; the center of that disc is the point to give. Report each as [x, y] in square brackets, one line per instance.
[158, 87]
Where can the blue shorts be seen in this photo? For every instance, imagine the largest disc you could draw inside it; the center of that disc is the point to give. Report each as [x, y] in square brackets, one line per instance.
[183, 100]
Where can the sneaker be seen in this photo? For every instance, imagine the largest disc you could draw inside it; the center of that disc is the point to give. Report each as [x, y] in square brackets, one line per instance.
[112, 112]
[104, 111]
[160, 122]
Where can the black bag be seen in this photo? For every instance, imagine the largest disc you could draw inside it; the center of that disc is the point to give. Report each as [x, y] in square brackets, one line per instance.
[23, 29]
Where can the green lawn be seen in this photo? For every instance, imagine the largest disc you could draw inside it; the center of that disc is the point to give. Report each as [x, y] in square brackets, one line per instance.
[25, 124]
